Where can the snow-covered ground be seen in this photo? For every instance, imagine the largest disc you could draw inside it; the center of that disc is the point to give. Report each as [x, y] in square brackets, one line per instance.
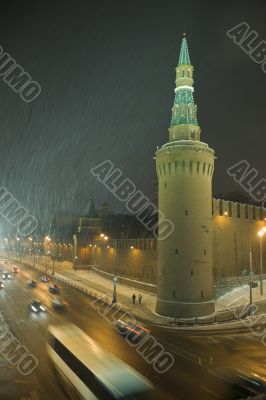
[240, 296]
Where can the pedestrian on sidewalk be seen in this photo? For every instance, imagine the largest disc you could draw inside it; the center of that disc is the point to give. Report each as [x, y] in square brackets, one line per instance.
[140, 298]
[133, 298]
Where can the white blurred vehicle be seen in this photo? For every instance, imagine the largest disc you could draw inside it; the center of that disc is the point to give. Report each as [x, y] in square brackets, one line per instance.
[90, 372]
[36, 306]
[6, 275]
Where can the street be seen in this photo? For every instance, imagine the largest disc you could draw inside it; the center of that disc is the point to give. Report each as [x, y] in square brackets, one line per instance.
[187, 379]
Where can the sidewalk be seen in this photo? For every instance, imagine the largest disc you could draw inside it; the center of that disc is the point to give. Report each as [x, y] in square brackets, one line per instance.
[98, 286]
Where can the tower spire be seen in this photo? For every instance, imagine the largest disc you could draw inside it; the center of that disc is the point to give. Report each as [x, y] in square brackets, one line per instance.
[184, 123]
[184, 54]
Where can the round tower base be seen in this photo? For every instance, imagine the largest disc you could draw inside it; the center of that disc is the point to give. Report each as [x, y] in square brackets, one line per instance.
[184, 310]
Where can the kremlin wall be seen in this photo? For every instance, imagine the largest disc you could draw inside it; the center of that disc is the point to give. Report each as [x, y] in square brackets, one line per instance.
[234, 226]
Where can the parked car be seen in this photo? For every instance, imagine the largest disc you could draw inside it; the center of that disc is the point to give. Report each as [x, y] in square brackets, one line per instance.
[55, 289]
[2, 285]
[32, 283]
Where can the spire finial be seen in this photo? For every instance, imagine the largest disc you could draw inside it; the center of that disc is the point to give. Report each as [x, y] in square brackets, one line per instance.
[184, 55]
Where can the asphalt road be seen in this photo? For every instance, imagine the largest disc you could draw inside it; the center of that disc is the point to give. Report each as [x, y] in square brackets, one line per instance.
[188, 378]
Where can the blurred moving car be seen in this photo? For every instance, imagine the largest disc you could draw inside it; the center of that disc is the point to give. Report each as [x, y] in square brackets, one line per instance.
[54, 289]
[45, 278]
[133, 331]
[36, 306]
[59, 304]
[242, 383]
[6, 275]
[32, 284]
[1, 285]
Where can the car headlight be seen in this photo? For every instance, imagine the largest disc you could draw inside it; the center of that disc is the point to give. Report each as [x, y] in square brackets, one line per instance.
[2, 285]
[34, 309]
[9, 276]
[42, 308]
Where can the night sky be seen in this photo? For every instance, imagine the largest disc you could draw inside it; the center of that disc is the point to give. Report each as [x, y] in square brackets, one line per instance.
[107, 71]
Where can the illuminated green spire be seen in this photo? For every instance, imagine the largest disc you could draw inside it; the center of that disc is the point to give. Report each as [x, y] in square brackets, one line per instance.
[184, 54]
[184, 124]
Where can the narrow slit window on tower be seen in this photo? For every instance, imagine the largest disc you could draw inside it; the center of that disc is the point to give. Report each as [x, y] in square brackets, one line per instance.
[204, 167]
[186, 212]
[183, 166]
[176, 251]
[238, 210]
[165, 185]
[230, 208]
[209, 167]
[190, 166]
[198, 167]
[201, 294]
[204, 252]
[192, 272]
[174, 294]
[220, 207]
[160, 171]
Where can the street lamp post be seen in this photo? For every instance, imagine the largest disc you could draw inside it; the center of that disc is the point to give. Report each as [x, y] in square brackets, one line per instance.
[114, 300]
[75, 260]
[115, 277]
[33, 257]
[53, 257]
[251, 279]
[260, 234]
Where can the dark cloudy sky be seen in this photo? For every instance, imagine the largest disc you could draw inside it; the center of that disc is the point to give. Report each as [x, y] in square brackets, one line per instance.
[107, 74]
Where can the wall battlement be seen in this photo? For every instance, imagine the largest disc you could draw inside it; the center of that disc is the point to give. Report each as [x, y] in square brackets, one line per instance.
[241, 211]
